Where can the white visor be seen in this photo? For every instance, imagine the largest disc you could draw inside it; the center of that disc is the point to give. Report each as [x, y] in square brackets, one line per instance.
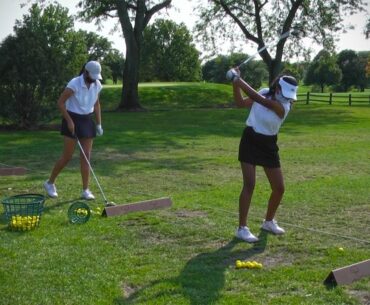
[288, 90]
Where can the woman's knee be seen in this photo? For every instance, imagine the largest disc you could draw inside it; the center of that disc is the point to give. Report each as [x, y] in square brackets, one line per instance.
[249, 185]
[278, 188]
[65, 158]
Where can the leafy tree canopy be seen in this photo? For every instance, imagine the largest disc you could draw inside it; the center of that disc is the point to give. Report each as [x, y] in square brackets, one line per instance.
[323, 70]
[262, 22]
[36, 63]
[168, 53]
[133, 16]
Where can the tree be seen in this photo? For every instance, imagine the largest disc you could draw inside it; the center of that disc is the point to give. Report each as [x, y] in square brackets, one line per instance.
[97, 47]
[367, 29]
[364, 77]
[100, 48]
[133, 16]
[36, 63]
[352, 69]
[115, 61]
[261, 22]
[323, 71]
[168, 53]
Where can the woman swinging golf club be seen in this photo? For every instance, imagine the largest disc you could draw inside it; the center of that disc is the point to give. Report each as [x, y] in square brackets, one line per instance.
[77, 103]
[258, 145]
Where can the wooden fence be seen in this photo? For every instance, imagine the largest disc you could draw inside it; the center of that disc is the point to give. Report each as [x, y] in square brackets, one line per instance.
[337, 98]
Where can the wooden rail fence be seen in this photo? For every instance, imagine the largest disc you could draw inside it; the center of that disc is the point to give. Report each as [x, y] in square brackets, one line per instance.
[329, 98]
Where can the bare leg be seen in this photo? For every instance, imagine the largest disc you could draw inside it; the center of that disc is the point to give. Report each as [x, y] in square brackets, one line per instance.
[249, 181]
[85, 170]
[275, 177]
[69, 147]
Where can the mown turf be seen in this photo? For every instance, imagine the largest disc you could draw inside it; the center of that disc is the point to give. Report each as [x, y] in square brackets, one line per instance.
[186, 254]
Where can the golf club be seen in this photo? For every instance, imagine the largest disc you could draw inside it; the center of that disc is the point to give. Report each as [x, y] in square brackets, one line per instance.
[107, 203]
[283, 36]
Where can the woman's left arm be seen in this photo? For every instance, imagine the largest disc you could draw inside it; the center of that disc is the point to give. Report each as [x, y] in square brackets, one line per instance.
[97, 111]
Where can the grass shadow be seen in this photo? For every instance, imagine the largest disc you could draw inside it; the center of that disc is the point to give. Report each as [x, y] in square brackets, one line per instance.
[202, 279]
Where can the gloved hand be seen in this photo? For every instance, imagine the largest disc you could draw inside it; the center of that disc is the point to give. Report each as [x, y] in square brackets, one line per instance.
[99, 130]
[232, 74]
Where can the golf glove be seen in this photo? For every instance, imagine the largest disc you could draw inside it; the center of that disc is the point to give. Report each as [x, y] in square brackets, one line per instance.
[232, 75]
[99, 130]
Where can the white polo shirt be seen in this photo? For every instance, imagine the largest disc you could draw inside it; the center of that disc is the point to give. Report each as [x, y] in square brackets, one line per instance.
[83, 99]
[264, 120]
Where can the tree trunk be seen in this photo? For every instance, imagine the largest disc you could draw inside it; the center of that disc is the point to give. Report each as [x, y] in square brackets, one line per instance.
[130, 92]
[274, 68]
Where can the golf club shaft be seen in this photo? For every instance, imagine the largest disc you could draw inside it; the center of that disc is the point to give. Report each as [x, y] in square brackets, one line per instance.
[92, 171]
[284, 35]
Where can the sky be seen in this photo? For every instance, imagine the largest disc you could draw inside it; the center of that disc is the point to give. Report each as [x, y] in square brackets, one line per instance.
[183, 11]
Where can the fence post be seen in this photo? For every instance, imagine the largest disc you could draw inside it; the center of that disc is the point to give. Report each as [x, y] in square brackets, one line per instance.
[330, 98]
[350, 100]
[308, 98]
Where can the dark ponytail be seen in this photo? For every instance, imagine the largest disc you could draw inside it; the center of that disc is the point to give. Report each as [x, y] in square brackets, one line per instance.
[275, 83]
[82, 69]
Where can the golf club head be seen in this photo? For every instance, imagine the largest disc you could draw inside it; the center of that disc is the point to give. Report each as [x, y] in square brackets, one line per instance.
[110, 204]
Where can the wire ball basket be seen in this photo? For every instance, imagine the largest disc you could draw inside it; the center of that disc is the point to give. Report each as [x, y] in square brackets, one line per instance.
[79, 212]
[23, 212]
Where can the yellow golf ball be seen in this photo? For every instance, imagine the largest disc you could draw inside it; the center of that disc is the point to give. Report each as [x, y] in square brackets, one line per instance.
[259, 266]
[249, 265]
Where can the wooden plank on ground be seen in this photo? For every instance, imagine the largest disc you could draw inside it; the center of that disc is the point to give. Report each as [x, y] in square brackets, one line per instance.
[12, 171]
[137, 206]
[348, 274]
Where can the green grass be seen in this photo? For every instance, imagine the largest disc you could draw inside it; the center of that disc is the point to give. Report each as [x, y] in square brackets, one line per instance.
[186, 254]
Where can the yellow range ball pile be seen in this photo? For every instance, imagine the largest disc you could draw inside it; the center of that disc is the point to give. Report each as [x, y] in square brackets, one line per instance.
[24, 223]
[248, 264]
[81, 212]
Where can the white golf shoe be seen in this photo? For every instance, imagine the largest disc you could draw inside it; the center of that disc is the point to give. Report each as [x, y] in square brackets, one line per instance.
[245, 234]
[86, 194]
[272, 227]
[50, 189]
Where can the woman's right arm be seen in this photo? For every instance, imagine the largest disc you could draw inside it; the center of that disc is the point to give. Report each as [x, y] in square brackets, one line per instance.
[66, 94]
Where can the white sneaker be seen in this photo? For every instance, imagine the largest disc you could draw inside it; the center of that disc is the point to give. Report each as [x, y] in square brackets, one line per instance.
[86, 194]
[272, 227]
[245, 234]
[50, 189]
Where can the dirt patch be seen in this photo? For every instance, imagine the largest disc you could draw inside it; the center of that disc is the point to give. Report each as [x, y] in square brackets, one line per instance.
[362, 296]
[128, 290]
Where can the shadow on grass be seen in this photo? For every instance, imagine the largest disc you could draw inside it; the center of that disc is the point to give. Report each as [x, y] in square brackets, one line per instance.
[127, 134]
[202, 279]
[57, 204]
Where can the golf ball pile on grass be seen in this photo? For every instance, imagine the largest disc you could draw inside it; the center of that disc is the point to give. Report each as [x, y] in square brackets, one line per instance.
[248, 264]
[97, 211]
[24, 223]
[84, 212]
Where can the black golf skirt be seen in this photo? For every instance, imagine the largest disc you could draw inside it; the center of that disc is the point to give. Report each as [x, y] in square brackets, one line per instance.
[259, 149]
[84, 126]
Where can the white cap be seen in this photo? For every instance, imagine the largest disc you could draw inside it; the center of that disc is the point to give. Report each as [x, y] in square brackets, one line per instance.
[288, 90]
[94, 69]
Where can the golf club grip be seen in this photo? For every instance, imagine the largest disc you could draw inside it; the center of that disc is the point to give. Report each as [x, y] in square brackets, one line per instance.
[92, 171]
